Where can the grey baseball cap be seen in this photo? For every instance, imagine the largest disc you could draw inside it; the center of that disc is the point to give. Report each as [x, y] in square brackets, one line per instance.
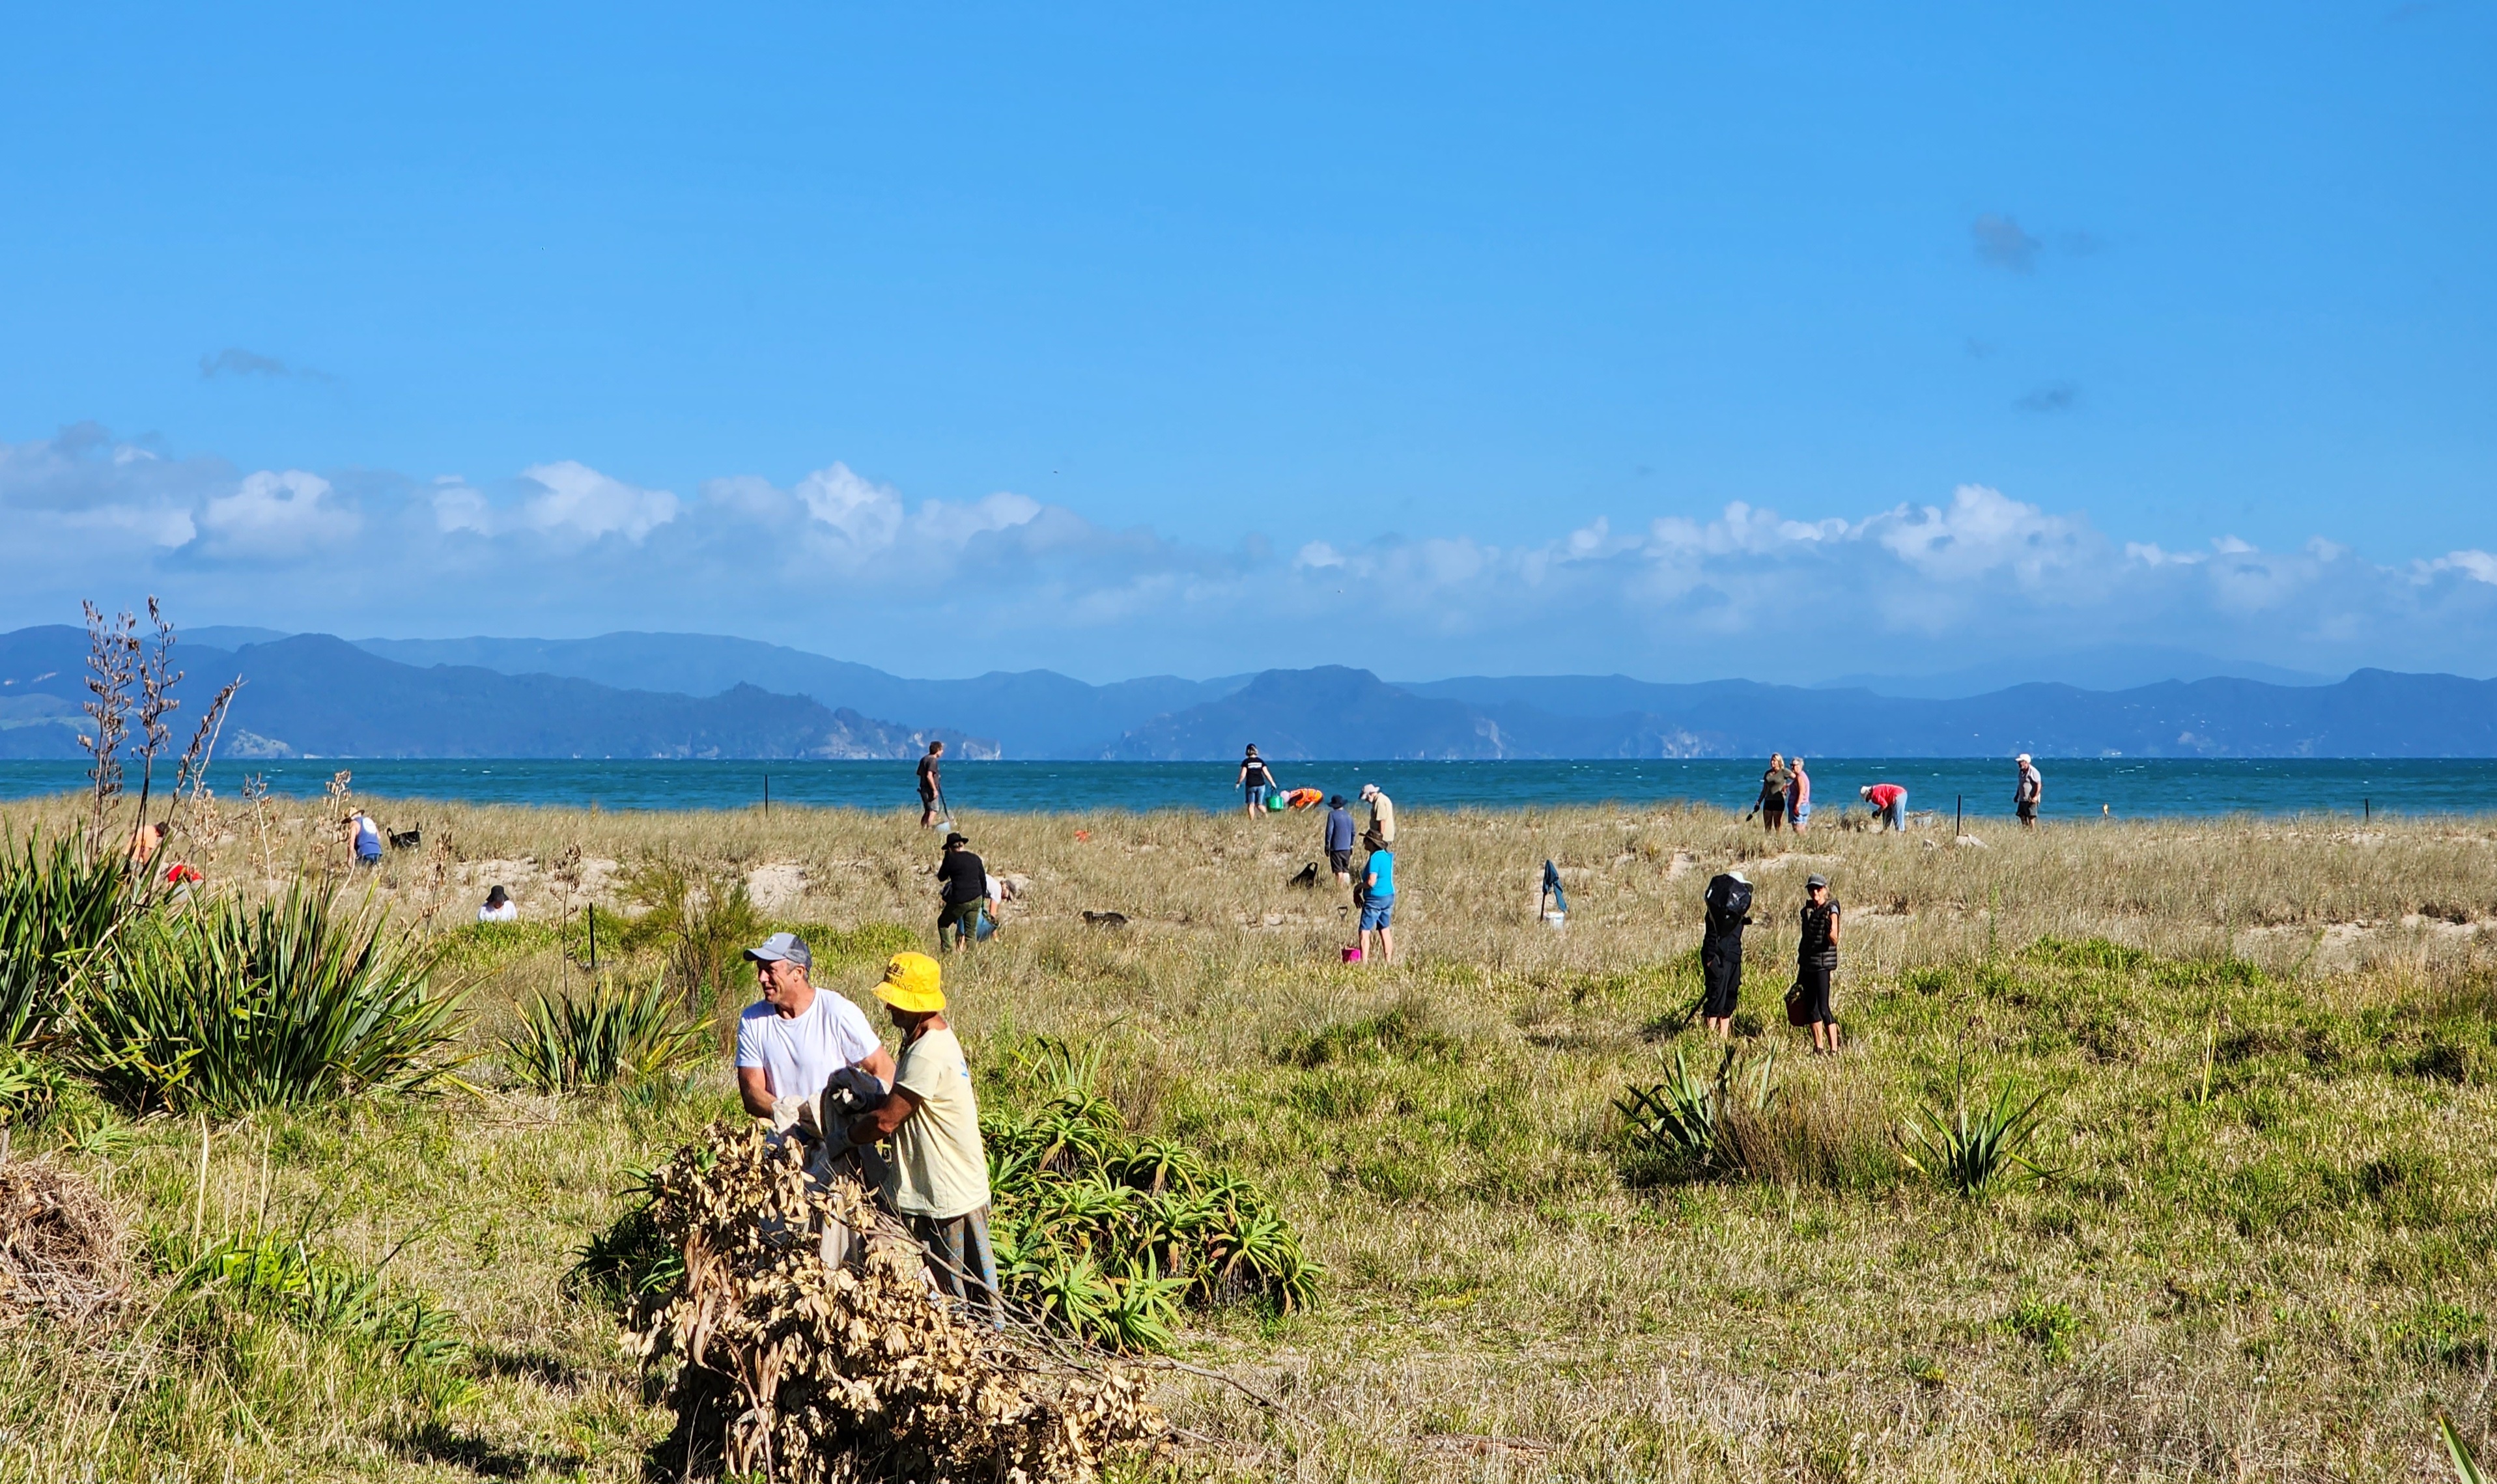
[1809, 882]
[782, 948]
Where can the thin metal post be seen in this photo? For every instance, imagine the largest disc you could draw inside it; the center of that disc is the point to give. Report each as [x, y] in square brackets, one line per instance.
[1959, 814]
[593, 938]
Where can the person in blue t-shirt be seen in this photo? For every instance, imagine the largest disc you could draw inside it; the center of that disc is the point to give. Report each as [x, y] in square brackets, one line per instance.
[1339, 841]
[1378, 903]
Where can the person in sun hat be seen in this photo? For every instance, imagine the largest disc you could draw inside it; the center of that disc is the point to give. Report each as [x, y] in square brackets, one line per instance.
[2028, 793]
[965, 880]
[937, 1177]
[792, 1041]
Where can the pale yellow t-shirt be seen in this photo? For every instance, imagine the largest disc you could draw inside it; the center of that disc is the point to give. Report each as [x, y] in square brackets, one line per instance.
[938, 1168]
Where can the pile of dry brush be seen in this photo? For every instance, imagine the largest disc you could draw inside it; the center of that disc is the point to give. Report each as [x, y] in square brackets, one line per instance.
[821, 1375]
[60, 1247]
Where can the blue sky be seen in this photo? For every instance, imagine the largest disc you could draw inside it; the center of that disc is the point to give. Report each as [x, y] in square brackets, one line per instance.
[1675, 341]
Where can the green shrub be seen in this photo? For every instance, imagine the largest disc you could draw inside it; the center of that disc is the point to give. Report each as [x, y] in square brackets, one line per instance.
[1108, 1234]
[233, 1006]
[704, 921]
[30, 1085]
[1972, 1146]
[2440, 1334]
[282, 1278]
[58, 904]
[605, 1036]
[2087, 952]
[2050, 1327]
[868, 943]
[479, 947]
[1683, 1123]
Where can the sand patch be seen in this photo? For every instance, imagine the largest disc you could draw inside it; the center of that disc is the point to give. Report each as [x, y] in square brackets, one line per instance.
[776, 886]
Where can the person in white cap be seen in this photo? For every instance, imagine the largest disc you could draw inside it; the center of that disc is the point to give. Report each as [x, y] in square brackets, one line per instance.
[1382, 813]
[2026, 794]
[792, 1041]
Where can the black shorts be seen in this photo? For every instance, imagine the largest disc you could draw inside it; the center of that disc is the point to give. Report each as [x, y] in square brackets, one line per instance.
[1814, 980]
[2027, 809]
[1339, 862]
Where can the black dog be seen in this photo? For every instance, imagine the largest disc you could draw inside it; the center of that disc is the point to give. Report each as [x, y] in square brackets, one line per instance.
[1307, 879]
[407, 840]
[1106, 919]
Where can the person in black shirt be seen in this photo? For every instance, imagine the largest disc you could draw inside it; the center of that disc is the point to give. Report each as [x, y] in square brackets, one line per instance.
[1256, 780]
[930, 787]
[1815, 960]
[965, 878]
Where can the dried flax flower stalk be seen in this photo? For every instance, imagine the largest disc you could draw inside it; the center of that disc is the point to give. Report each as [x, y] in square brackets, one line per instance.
[818, 1373]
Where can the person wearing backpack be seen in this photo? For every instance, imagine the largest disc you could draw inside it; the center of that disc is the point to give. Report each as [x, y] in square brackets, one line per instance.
[1720, 950]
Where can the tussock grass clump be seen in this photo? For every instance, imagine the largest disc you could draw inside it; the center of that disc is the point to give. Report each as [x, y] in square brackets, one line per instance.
[605, 1036]
[234, 1005]
[58, 904]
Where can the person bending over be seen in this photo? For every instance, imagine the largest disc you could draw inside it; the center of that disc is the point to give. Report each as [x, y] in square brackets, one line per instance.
[1720, 950]
[965, 878]
[791, 1041]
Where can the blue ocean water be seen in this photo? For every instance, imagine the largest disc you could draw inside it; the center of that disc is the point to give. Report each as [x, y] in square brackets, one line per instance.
[2128, 787]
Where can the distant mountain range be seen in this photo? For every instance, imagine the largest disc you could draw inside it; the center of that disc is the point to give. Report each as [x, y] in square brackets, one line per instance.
[682, 695]
[315, 695]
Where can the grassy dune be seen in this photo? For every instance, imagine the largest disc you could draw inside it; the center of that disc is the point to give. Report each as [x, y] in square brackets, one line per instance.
[2263, 1251]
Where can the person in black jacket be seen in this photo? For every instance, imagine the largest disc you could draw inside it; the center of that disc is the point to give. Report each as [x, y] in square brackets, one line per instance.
[965, 878]
[1815, 960]
[1720, 950]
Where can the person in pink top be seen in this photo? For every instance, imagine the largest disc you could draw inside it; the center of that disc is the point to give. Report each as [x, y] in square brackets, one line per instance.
[1798, 795]
[1889, 804]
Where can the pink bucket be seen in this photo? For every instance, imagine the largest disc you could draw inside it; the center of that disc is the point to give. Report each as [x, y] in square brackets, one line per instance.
[1352, 955]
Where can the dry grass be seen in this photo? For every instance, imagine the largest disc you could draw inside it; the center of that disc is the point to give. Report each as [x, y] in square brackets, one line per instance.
[2286, 1279]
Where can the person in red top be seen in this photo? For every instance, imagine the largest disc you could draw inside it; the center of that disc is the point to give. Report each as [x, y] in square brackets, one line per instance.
[1889, 804]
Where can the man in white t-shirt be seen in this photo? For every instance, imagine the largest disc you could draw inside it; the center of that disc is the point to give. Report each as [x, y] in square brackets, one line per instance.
[798, 1037]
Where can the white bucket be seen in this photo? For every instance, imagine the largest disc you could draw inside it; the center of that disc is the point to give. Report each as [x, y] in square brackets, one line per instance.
[1555, 919]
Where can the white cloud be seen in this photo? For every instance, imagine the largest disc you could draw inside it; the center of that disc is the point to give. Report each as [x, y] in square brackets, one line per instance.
[2479, 566]
[271, 517]
[581, 502]
[837, 561]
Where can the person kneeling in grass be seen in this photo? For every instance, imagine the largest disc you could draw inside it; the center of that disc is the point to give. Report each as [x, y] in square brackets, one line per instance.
[1378, 900]
[937, 1180]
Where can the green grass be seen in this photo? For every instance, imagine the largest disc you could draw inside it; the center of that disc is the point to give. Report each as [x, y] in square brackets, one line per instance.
[2266, 1250]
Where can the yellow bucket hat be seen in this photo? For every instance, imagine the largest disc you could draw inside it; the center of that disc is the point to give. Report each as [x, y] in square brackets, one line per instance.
[912, 982]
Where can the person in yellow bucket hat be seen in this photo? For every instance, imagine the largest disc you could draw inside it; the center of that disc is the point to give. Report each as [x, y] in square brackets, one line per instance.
[937, 1179]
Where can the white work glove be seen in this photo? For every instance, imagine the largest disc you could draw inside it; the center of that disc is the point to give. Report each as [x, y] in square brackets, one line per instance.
[787, 1111]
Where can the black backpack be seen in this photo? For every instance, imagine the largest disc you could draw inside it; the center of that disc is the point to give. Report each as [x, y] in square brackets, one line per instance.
[1729, 902]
